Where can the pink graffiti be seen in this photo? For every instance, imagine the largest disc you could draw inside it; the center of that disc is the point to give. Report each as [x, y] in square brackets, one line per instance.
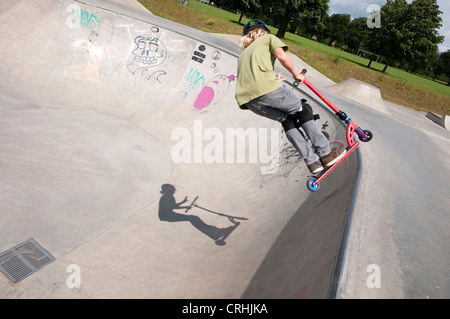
[213, 91]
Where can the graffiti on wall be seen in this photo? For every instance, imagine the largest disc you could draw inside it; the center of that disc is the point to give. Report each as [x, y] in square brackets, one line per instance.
[194, 78]
[198, 55]
[146, 53]
[214, 91]
[149, 52]
[80, 18]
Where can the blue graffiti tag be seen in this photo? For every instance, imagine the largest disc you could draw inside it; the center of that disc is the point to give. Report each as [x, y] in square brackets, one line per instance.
[194, 78]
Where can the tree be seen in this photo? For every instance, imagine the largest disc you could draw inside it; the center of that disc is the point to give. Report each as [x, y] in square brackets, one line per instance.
[337, 26]
[391, 39]
[407, 33]
[423, 33]
[442, 66]
[357, 34]
[244, 7]
[310, 20]
[282, 13]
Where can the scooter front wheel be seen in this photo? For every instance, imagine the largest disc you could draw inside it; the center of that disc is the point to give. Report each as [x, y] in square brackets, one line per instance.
[365, 136]
[312, 185]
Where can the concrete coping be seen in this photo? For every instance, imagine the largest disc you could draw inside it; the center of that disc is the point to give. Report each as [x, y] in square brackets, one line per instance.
[440, 120]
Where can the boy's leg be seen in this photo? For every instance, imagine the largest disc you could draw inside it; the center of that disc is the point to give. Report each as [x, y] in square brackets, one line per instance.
[269, 112]
[262, 106]
[321, 145]
[276, 105]
[284, 100]
[302, 146]
[319, 142]
[298, 140]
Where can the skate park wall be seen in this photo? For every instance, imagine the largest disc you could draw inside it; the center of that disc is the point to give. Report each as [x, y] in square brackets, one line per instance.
[119, 70]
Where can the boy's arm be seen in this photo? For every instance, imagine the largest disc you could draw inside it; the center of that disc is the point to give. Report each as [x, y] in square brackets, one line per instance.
[287, 63]
[182, 202]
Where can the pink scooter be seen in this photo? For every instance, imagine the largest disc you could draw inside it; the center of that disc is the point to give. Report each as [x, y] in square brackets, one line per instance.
[313, 183]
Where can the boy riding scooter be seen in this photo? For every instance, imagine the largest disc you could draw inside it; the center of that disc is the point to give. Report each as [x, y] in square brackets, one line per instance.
[259, 90]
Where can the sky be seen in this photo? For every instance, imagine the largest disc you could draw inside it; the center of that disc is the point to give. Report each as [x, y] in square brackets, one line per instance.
[358, 8]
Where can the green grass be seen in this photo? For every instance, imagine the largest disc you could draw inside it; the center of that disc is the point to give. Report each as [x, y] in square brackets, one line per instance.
[391, 71]
[396, 85]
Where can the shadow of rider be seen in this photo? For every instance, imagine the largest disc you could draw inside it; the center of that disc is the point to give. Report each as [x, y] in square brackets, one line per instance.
[167, 205]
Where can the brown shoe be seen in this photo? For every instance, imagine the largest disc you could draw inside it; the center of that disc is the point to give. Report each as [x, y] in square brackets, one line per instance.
[315, 167]
[333, 157]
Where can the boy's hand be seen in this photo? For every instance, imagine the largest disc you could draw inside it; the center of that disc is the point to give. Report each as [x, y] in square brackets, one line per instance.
[299, 77]
[279, 78]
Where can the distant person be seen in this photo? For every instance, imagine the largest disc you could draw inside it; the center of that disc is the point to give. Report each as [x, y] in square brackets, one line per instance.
[261, 91]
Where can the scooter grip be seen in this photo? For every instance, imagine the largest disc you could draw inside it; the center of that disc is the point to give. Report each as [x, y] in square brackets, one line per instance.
[297, 82]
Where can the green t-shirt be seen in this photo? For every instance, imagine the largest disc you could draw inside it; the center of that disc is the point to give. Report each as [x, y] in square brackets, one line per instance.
[255, 73]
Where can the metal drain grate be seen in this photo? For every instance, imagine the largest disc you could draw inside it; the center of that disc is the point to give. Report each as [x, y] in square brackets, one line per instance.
[23, 260]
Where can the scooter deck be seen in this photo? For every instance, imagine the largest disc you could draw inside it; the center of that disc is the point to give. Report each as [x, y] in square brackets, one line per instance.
[313, 183]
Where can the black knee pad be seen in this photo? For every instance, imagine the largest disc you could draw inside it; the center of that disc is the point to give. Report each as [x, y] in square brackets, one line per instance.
[300, 118]
[289, 124]
[305, 115]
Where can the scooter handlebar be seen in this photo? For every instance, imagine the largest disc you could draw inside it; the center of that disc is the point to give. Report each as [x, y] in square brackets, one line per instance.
[297, 82]
[363, 135]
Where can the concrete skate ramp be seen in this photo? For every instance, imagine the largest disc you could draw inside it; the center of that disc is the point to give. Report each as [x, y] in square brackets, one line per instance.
[443, 120]
[106, 111]
[360, 92]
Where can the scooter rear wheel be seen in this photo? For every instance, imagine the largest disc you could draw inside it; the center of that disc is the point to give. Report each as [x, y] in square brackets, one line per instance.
[312, 185]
